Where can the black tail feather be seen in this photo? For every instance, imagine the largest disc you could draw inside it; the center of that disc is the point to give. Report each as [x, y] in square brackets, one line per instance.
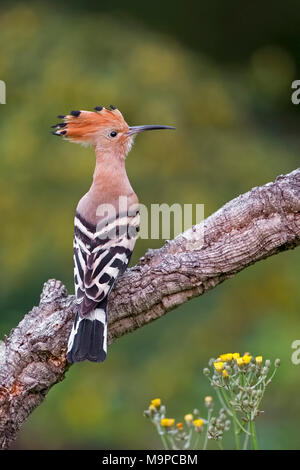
[88, 341]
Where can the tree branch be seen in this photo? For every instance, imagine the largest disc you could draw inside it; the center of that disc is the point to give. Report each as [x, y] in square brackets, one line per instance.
[255, 225]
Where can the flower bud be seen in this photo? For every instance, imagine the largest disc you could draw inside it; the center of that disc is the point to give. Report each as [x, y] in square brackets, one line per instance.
[188, 418]
[208, 402]
[218, 366]
[258, 360]
[167, 422]
[156, 403]
[198, 423]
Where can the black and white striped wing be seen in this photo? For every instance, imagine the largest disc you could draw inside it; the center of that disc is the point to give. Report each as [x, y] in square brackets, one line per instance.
[100, 256]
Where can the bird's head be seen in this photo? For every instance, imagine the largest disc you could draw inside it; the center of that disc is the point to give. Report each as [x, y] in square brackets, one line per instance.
[104, 128]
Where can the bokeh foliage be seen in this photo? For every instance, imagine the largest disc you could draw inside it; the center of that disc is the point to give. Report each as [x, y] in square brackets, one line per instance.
[235, 130]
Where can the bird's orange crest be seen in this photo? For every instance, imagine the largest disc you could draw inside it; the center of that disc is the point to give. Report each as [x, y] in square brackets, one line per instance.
[87, 126]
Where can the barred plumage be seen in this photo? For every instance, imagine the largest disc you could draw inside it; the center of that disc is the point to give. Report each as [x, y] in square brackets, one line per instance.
[101, 254]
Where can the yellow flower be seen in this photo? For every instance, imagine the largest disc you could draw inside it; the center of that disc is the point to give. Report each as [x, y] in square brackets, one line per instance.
[179, 426]
[198, 423]
[240, 361]
[156, 402]
[225, 374]
[189, 418]
[167, 422]
[235, 356]
[226, 357]
[247, 358]
[258, 359]
[218, 366]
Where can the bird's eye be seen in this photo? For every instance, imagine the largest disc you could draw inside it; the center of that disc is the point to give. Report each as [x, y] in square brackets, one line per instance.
[113, 133]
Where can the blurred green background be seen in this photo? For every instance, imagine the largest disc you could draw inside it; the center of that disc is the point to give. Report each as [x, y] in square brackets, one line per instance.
[222, 75]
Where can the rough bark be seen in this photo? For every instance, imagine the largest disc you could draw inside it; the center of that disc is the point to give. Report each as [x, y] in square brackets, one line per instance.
[255, 225]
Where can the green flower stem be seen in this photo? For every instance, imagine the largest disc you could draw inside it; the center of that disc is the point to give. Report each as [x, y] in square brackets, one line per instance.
[169, 441]
[224, 405]
[253, 435]
[272, 376]
[261, 380]
[173, 445]
[245, 446]
[188, 443]
[235, 420]
[162, 435]
[196, 444]
[243, 379]
[232, 410]
[248, 381]
[236, 431]
[206, 434]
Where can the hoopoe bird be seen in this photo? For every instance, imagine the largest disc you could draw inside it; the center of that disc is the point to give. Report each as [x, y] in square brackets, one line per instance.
[105, 229]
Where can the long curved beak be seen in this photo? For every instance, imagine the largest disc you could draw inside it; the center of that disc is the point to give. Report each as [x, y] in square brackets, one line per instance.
[137, 129]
